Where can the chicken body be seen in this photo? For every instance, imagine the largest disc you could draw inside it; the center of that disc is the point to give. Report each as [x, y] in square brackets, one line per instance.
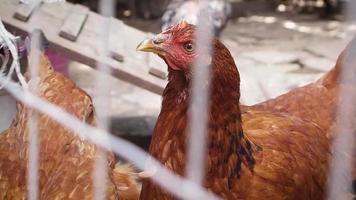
[279, 149]
[66, 162]
[290, 161]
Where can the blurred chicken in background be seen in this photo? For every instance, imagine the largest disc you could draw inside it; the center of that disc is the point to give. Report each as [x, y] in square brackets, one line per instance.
[66, 161]
[188, 10]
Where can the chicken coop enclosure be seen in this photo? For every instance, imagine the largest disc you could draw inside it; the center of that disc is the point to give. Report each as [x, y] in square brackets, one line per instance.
[177, 99]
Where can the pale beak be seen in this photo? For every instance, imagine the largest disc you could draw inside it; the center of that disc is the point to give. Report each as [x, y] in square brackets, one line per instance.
[154, 45]
[146, 45]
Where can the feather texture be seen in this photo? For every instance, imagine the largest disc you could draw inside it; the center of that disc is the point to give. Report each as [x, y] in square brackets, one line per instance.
[66, 161]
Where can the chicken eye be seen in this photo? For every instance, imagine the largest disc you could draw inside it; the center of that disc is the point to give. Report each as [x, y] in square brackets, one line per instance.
[189, 47]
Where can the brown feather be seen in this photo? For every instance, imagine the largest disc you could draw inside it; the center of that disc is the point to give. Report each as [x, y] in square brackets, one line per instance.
[66, 161]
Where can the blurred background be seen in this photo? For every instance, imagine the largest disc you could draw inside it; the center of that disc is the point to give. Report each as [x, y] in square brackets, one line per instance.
[277, 44]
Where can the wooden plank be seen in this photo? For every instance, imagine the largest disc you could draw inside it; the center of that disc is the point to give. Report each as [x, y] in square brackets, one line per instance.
[24, 11]
[3, 92]
[74, 22]
[85, 50]
[157, 67]
[158, 72]
[116, 39]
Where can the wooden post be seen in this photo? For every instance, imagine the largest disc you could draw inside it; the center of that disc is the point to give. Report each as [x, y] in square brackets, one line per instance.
[74, 22]
[116, 39]
[24, 11]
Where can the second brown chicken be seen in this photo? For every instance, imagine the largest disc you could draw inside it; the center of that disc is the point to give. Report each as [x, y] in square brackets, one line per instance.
[66, 162]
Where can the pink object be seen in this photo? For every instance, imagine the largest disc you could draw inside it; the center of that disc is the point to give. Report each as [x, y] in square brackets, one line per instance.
[59, 62]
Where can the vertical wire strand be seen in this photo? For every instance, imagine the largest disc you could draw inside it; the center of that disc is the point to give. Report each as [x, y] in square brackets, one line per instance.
[343, 144]
[33, 137]
[343, 148]
[199, 108]
[102, 100]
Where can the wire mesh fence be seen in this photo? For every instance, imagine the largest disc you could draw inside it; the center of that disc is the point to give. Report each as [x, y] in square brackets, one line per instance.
[191, 186]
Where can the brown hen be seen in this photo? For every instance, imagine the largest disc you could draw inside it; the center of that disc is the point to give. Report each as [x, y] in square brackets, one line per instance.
[66, 162]
[276, 150]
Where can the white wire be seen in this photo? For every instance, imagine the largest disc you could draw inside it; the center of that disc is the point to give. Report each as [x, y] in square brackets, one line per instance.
[102, 100]
[344, 142]
[343, 146]
[34, 145]
[8, 40]
[199, 108]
